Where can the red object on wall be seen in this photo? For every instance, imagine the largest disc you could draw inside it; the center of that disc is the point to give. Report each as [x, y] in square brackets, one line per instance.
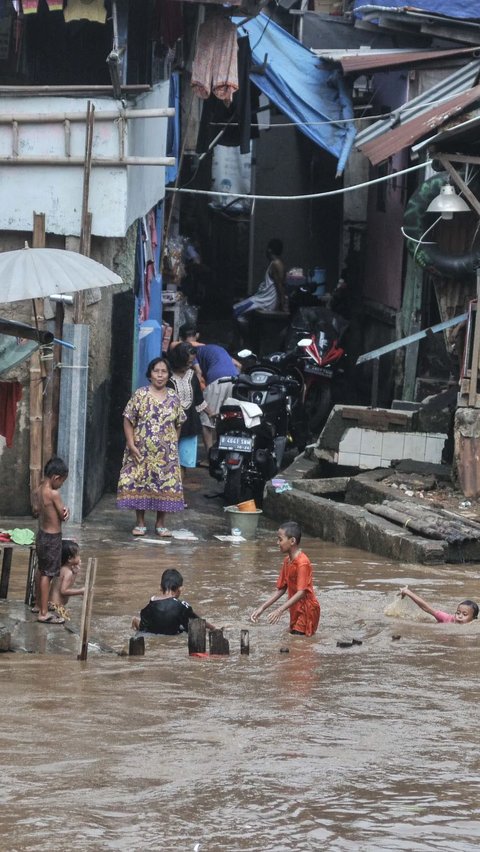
[10, 396]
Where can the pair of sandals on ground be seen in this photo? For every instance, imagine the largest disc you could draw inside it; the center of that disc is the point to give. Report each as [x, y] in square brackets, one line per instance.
[163, 532]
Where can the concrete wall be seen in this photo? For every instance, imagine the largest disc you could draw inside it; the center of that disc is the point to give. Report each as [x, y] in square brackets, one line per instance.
[117, 196]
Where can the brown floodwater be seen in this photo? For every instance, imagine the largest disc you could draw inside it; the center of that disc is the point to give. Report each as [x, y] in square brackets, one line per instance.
[373, 747]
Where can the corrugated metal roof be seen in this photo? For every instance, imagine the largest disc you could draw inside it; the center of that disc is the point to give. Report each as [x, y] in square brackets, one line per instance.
[421, 115]
[364, 61]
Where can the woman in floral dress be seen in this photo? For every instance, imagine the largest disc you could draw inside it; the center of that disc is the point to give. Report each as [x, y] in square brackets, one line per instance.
[150, 477]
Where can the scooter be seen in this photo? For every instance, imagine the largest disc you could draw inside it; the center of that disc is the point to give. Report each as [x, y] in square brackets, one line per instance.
[253, 429]
[323, 361]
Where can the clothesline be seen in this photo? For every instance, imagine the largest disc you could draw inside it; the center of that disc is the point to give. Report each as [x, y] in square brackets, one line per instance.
[341, 191]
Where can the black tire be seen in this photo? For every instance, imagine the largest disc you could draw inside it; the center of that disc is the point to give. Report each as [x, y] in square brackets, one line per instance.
[232, 493]
[318, 405]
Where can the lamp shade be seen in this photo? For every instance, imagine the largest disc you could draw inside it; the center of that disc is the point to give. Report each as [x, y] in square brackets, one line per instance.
[447, 202]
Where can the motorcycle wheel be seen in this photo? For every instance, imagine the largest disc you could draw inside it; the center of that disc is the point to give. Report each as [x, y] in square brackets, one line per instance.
[233, 487]
[318, 405]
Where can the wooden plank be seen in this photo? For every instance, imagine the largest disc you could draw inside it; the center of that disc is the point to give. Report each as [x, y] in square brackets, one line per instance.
[30, 586]
[476, 350]
[6, 567]
[87, 608]
[136, 646]
[197, 636]
[217, 643]
[244, 642]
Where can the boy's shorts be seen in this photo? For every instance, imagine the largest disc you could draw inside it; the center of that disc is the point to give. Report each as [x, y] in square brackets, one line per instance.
[49, 553]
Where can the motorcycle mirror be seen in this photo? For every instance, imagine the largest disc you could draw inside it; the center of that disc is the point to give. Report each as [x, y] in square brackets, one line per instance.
[244, 353]
[305, 341]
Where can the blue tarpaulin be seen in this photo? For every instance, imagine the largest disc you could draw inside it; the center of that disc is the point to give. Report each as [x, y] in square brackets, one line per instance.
[449, 8]
[303, 87]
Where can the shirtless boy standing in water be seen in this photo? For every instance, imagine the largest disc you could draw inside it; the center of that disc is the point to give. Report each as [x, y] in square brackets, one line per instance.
[48, 544]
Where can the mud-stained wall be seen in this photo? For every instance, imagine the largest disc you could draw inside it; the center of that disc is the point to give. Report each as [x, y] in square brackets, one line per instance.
[119, 255]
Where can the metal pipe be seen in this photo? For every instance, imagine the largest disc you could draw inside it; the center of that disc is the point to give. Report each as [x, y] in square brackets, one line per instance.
[79, 161]
[28, 332]
[105, 115]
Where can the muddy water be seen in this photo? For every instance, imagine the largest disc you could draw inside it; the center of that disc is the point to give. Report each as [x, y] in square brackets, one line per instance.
[373, 747]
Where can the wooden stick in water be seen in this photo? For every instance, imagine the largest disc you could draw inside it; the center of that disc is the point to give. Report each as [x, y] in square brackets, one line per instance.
[87, 608]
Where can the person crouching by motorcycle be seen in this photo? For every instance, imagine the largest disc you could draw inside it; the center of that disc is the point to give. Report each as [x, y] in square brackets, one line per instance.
[215, 364]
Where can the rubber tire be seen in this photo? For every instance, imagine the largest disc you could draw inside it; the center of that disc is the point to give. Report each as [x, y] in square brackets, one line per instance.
[232, 493]
[318, 405]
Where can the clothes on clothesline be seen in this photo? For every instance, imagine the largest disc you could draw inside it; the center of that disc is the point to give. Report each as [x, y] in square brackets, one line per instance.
[215, 66]
[10, 396]
[233, 121]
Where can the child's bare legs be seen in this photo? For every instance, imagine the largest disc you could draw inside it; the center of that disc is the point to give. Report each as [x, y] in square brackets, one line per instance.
[140, 522]
[43, 591]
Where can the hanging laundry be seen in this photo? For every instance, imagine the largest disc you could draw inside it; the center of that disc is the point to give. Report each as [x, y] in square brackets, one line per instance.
[29, 7]
[10, 396]
[85, 10]
[55, 5]
[236, 122]
[215, 66]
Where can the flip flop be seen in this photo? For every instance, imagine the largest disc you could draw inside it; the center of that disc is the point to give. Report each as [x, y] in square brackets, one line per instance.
[139, 531]
[163, 532]
[51, 619]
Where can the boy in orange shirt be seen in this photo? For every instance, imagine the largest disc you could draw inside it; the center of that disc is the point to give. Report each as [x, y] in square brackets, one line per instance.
[295, 579]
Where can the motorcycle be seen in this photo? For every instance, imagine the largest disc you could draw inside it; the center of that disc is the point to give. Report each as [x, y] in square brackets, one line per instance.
[323, 362]
[254, 427]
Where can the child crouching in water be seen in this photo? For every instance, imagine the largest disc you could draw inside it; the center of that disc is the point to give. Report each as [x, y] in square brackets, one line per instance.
[296, 579]
[62, 586]
[165, 613]
[466, 610]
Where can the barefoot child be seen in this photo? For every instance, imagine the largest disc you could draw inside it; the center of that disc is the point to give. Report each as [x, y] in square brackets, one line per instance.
[466, 610]
[295, 579]
[165, 613]
[62, 586]
[48, 543]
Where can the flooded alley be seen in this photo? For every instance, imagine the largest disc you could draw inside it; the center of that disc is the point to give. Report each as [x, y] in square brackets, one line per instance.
[302, 745]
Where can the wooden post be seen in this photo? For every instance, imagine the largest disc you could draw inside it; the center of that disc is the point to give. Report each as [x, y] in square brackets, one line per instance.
[197, 636]
[136, 646]
[217, 644]
[86, 224]
[472, 396]
[375, 378]
[5, 576]
[87, 608]
[244, 642]
[29, 588]
[36, 384]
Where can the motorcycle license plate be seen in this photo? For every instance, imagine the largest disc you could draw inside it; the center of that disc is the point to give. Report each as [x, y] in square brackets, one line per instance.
[235, 442]
[317, 370]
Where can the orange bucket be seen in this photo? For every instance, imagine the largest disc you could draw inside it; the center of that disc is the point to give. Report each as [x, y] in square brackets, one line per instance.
[247, 506]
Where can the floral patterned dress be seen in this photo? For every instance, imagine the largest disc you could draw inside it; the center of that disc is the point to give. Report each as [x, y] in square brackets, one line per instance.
[155, 482]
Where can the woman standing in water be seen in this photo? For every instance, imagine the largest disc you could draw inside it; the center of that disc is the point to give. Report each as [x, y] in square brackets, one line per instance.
[150, 475]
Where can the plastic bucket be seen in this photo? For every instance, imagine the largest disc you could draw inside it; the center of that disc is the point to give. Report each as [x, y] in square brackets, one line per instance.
[246, 522]
[247, 506]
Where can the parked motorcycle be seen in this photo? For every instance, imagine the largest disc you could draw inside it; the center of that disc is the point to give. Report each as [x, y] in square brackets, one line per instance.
[254, 427]
[323, 362]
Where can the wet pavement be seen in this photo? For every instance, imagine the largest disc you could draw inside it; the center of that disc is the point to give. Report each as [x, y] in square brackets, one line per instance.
[303, 745]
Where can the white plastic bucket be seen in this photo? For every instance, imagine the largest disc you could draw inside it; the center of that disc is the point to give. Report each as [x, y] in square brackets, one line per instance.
[246, 522]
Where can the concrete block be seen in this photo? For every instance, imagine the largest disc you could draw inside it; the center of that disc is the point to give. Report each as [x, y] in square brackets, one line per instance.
[350, 441]
[348, 459]
[368, 462]
[392, 445]
[414, 446]
[371, 443]
[433, 448]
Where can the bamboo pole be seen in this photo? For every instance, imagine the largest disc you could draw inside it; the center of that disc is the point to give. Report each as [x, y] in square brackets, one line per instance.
[87, 608]
[104, 115]
[86, 224]
[36, 385]
[109, 162]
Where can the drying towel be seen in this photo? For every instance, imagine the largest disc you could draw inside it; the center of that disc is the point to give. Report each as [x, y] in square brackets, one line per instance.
[85, 10]
[215, 66]
[252, 413]
[10, 396]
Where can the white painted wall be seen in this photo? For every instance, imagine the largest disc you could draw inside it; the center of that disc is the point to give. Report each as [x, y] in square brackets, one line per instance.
[117, 195]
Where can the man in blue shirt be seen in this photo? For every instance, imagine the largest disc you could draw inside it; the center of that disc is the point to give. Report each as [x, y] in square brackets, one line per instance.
[215, 363]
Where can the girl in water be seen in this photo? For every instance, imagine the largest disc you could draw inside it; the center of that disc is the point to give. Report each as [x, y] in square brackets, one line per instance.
[466, 610]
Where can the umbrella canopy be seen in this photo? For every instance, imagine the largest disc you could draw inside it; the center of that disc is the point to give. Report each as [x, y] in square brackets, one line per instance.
[36, 273]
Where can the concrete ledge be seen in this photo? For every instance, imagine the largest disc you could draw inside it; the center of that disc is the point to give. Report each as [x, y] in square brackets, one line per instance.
[352, 526]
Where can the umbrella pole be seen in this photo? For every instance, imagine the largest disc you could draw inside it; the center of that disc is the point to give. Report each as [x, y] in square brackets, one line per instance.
[36, 383]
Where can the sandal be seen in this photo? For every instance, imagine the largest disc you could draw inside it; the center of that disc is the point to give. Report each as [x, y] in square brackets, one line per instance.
[51, 619]
[139, 531]
[163, 532]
